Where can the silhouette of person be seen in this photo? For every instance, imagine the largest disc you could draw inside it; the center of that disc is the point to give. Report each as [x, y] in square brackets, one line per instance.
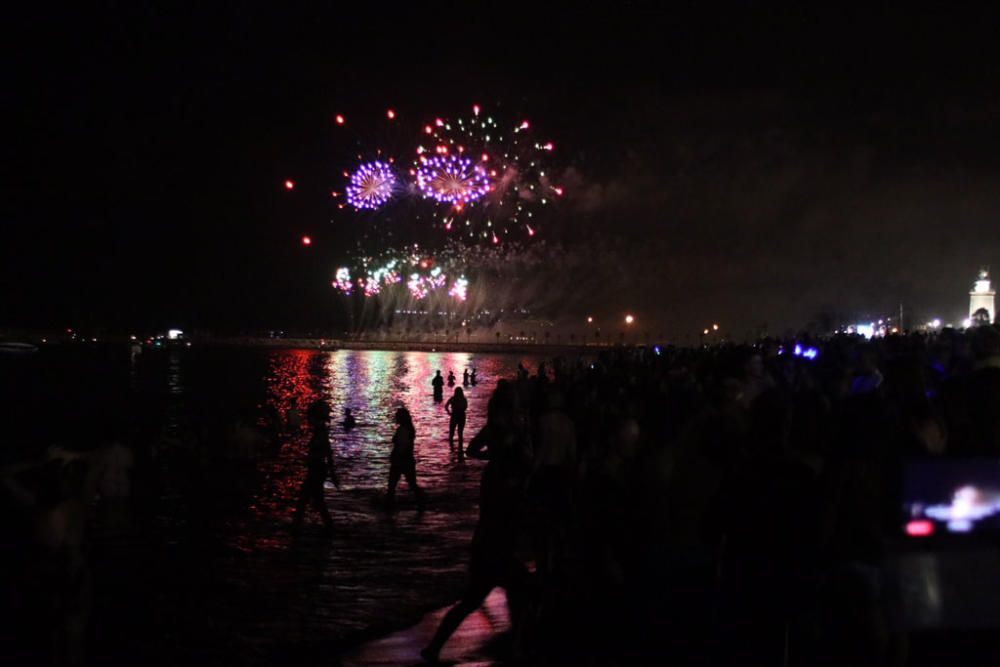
[472, 377]
[349, 421]
[319, 465]
[494, 562]
[451, 379]
[402, 461]
[438, 384]
[456, 407]
[465, 378]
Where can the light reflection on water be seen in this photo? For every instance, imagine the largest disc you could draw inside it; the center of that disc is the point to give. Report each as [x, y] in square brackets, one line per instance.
[373, 384]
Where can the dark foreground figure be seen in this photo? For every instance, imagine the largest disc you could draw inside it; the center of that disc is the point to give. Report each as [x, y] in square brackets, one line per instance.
[493, 559]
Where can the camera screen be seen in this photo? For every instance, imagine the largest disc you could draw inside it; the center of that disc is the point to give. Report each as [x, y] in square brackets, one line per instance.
[956, 497]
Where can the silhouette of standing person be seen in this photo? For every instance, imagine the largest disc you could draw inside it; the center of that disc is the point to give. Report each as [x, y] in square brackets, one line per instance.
[319, 466]
[402, 462]
[451, 379]
[472, 377]
[465, 378]
[456, 407]
[494, 562]
[438, 384]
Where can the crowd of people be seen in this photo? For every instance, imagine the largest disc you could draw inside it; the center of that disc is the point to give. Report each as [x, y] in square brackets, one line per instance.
[723, 505]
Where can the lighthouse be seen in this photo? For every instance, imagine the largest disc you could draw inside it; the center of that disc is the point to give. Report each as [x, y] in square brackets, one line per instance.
[982, 297]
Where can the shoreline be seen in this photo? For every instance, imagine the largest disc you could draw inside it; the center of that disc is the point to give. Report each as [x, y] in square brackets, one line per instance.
[332, 344]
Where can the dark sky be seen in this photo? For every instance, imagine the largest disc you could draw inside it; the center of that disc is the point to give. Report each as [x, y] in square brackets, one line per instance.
[751, 164]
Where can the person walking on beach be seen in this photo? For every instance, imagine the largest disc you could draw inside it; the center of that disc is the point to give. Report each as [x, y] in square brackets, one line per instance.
[456, 407]
[402, 461]
[319, 466]
[438, 384]
[494, 561]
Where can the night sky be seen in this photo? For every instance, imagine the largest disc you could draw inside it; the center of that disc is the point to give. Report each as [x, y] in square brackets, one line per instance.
[744, 164]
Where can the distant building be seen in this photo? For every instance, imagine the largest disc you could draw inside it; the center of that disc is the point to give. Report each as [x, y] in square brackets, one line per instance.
[983, 297]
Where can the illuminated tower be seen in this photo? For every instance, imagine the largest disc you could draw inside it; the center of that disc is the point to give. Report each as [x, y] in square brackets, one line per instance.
[983, 296]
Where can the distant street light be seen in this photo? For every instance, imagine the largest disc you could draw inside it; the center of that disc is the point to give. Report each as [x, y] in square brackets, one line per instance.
[715, 327]
[629, 319]
[590, 320]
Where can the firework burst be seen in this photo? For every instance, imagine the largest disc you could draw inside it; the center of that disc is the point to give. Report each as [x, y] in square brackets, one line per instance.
[514, 185]
[452, 179]
[371, 185]
[426, 275]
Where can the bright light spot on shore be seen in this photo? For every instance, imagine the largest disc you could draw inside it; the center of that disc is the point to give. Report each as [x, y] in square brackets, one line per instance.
[174, 334]
[715, 327]
[289, 185]
[966, 323]
[629, 319]
[339, 119]
[306, 240]
[391, 114]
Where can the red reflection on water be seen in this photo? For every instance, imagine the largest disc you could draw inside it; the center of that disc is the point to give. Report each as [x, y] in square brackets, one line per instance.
[373, 384]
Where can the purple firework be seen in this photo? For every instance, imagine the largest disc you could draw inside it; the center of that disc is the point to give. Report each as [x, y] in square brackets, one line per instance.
[452, 179]
[371, 185]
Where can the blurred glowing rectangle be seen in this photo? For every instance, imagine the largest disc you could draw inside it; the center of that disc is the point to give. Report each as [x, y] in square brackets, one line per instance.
[920, 528]
[866, 330]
